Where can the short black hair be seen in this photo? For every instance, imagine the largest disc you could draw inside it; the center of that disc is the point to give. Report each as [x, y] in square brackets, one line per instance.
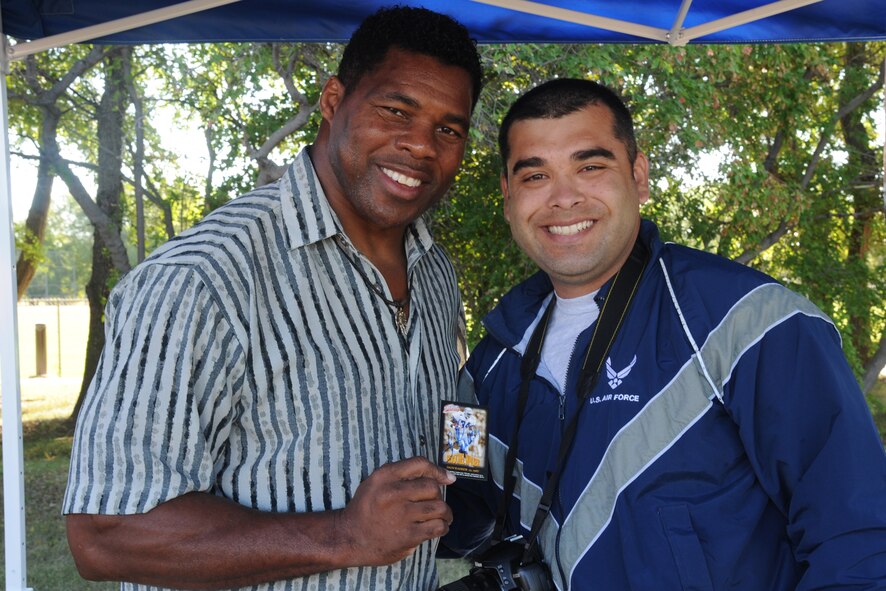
[417, 30]
[564, 96]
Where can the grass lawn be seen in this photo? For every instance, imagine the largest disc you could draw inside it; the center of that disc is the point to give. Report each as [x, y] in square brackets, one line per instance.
[46, 404]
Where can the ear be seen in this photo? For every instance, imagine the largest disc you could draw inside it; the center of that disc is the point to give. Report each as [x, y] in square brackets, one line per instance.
[506, 196]
[641, 177]
[331, 97]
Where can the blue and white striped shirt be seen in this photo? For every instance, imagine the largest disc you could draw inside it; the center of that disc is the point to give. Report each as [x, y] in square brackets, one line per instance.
[248, 358]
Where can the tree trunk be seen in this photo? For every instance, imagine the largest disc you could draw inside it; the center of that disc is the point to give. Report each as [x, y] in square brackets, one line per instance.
[865, 193]
[138, 164]
[110, 118]
[46, 101]
[26, 266]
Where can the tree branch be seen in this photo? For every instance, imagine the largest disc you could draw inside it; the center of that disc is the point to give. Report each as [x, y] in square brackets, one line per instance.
[783, 228]
[102, 223]
[280, 134]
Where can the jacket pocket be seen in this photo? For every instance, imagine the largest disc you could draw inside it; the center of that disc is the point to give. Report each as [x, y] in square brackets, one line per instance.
[686, 548]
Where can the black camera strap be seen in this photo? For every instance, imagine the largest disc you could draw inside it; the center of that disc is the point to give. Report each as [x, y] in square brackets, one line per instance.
[612, 313]
[528, 366]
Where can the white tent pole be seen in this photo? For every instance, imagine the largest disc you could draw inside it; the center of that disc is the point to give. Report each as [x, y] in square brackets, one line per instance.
[740, 18]
[150, 17]
[13, 460]
[676, 36]
[579, 18]
[681, 17]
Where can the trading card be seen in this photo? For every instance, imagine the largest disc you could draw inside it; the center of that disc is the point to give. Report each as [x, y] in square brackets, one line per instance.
[463, 439]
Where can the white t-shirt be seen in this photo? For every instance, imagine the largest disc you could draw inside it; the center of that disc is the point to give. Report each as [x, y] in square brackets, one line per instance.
[571, 316]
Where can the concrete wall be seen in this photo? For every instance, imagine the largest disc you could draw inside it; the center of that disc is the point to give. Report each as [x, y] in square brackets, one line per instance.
[67, 327]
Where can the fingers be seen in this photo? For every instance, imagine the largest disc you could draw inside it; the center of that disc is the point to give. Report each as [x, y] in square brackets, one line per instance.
[416, 490]
[422, 521]
[433, 511]
[398, 507]
[419, 467]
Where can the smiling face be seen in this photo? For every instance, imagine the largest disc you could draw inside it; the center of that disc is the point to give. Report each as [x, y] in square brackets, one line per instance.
[389, 148]
[572, 198]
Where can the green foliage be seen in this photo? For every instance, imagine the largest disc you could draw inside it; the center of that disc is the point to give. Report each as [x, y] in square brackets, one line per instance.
[748, 156]
[242, 94]
[470, 225]
[27, 245]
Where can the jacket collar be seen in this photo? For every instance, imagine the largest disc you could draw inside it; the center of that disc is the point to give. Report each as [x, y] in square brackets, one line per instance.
[512, 321]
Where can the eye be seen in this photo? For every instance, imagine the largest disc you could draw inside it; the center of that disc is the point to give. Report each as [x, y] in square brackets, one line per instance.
[591, 167]
[538, 176]
[395, 111]
[454, 133]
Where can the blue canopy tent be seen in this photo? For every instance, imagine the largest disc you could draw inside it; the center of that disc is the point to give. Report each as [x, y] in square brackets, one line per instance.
[37, 25]
[490, 21]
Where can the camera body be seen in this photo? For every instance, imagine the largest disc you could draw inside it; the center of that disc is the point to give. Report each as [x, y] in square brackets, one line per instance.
[501, 568]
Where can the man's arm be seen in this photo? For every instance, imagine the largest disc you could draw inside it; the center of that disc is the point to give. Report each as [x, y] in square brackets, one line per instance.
[811, 440]
[200, 541]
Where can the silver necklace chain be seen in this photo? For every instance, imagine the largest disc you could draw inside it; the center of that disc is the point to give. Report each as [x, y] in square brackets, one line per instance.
[400, 308]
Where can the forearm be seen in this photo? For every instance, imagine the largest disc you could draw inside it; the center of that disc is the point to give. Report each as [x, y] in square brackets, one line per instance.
[199, 541]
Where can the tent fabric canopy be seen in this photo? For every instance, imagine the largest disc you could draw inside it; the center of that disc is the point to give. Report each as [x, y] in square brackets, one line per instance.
[490, 21]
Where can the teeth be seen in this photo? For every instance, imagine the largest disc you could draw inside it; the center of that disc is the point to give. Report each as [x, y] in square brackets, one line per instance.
[401, 178]
[570, 230]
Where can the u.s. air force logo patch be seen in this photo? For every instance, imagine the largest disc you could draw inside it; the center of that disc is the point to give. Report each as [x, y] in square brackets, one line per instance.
[616, 377]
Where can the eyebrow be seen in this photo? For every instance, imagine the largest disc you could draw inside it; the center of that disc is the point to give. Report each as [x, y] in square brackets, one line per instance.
[576, 157]
[527, 163]
[409, 101]
[403, 98]
[593, 153]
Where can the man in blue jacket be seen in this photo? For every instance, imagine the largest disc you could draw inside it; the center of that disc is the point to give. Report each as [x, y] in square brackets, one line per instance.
[726, 444]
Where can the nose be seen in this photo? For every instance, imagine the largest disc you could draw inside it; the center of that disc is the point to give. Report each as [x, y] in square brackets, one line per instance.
[564, 194]
[419, 141]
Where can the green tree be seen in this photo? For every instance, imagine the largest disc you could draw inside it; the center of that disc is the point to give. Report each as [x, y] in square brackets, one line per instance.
[254, 102]
[40, 88]
[67, 254]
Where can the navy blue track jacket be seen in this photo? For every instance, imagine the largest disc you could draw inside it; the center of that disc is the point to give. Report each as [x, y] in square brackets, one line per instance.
[727, 446]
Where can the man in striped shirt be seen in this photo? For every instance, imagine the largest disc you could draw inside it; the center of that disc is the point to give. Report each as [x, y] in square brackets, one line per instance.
[264, 412]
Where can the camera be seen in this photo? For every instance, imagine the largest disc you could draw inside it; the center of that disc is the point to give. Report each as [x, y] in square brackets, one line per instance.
[501, 568]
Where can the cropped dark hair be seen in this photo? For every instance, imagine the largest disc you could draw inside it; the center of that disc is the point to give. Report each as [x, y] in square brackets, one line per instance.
[417, 30]
[564, 96]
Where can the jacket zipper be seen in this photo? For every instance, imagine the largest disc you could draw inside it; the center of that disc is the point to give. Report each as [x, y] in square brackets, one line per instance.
[562, 393]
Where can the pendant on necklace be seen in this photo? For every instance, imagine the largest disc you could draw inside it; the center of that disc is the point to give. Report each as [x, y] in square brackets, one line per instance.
[401, 318]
